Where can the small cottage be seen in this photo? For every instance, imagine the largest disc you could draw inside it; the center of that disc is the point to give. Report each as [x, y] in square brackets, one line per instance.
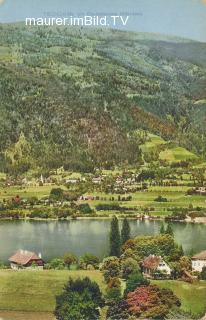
[26, 259]
[155, 265]
[199, 261]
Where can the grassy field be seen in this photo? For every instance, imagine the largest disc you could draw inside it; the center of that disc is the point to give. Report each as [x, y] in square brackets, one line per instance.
[192, 296]
[35, 291]
[176, 197]
[176, 154]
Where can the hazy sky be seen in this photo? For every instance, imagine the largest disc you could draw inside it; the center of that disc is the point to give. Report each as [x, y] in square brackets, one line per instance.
[186, 18]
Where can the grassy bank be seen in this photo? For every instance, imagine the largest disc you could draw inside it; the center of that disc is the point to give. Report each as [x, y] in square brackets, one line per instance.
[192, 296]
[36, 290]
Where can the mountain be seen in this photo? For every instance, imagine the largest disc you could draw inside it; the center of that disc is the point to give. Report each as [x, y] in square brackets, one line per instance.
[79, 96]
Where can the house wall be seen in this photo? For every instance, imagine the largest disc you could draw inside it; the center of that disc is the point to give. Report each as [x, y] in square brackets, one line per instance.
[164, 268]
[197, 265]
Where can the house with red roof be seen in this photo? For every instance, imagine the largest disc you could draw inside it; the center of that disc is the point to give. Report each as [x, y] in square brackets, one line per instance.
[26, 259]
[154, 265]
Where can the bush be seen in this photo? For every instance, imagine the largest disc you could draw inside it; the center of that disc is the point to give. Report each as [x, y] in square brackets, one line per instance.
[89, 259]
[128, 266]
[203, 273]
[160, 199]
[57, 264]
[134, 281]
[85, 208]
[69, 259]
[113, 290]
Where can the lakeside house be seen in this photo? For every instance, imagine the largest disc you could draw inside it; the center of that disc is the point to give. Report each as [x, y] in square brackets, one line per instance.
[199, 261]
[26, 259]
[156, 266]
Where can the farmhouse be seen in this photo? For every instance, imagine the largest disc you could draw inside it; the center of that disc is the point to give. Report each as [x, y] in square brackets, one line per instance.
[26, 259]
[199, 261]
[155, 265]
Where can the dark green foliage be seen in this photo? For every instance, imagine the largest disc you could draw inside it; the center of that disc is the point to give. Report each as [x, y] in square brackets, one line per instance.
[85, 208]
[203, 273]
[160, 199]
[113, 289]
[55, 103]
[162, 228]
[135, 280]
[114, 238]
[169, 230]
[125, 232]
[118, 310]
[57, 193]
[79, 300]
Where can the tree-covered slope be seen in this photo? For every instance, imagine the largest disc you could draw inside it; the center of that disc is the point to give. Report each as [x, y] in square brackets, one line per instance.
[76, 97]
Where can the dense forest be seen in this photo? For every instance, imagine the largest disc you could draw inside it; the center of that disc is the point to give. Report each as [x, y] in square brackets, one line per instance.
[78, 97]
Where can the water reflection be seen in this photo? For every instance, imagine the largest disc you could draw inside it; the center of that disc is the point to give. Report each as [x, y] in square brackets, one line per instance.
[54, 238]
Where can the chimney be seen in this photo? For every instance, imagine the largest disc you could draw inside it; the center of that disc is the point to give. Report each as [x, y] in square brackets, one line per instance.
[39, 255]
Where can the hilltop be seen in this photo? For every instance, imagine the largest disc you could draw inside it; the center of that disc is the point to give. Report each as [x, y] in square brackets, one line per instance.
[79, 97]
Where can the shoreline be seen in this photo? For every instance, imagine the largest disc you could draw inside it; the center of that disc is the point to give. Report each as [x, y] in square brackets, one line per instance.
[197, 220]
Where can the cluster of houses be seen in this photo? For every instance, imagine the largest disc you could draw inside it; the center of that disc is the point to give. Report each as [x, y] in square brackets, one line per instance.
[153, 266]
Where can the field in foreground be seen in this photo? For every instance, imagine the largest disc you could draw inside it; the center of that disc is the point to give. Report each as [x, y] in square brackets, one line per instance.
[36, 290]
[192, 296]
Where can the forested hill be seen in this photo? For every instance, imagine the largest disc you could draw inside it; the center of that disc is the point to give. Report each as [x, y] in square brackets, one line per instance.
[79, 97]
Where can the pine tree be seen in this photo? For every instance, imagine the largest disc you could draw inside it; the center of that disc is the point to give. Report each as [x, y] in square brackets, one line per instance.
[162, 228]
[169, 230]
[114, 238]
[125, 232]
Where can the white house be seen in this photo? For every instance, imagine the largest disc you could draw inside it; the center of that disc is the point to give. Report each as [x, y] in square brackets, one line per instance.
[153, 263]
[199, 261]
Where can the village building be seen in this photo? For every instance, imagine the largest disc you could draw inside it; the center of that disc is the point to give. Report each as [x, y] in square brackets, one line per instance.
[199, 261]
[26, 259]
[155, 264]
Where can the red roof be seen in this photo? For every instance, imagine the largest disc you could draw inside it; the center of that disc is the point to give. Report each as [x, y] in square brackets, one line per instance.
[22, 257]
[151, 262]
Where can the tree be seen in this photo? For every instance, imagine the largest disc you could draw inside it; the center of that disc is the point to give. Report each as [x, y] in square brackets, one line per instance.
[110, 268]
[114, 238]
[125, 232]
[113, 290]
[57, 193]
[128, 266]
[169, 230]
[162, 228]
[69, 259]
[135, 280]
[151, 302]
[80, 300]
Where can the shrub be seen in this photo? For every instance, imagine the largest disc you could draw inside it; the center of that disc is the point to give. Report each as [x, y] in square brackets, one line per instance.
[89, 259]
[113, 290]
[69, 259]
[134, 281]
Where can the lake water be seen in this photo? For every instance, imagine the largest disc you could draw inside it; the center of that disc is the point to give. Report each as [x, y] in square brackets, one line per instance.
[54, 238]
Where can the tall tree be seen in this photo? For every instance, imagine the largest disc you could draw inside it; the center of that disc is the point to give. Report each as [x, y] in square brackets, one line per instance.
[169, 230]
[115, 241]
[162, 228]
[125, 232]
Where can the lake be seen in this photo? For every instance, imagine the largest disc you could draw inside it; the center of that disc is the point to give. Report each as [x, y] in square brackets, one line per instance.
[54, 238]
